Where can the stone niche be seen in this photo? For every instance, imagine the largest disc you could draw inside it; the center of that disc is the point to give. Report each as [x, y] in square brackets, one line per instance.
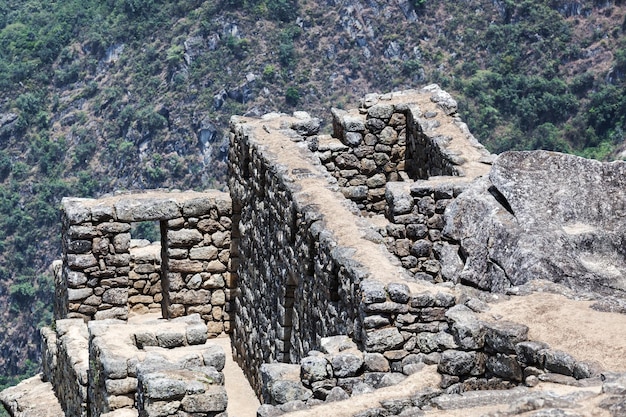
[103, 277]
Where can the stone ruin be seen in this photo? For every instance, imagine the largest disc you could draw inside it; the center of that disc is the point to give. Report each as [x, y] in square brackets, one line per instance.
[372, 272]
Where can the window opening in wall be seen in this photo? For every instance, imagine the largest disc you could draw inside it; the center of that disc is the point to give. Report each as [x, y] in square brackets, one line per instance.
[145, 287]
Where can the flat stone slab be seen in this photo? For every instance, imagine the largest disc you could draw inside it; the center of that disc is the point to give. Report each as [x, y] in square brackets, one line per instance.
[31, 397]
[145, 206]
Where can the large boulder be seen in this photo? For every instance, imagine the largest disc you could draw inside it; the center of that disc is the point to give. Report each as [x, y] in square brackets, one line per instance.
[543, 215]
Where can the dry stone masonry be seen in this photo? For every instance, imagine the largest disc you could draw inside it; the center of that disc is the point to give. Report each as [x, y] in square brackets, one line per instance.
[190, 276]
[362, 262]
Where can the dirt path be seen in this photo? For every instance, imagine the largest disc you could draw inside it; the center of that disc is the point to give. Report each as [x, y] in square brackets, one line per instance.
[568, 325]
[242, 402]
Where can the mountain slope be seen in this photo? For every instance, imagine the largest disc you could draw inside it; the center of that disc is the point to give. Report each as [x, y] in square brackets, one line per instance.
[97, 96]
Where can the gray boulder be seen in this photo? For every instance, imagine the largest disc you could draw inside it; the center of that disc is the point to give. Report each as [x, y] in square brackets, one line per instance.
[543, 215]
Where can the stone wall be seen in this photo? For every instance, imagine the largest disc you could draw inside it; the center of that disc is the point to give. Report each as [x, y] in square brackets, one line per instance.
[301, 279]
[414, 233]
[96, 280]
[406, 330]
[115, 364]
[66, 363]
[145, 293]
[395, 137]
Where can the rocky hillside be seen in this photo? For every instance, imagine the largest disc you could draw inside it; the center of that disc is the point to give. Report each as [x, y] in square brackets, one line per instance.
[97, 96]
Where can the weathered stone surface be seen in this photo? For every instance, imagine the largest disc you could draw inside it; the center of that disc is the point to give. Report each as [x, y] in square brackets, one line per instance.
[505, 366]
[467, 329]
[375, 362]
[559, 362]
[213, 400]
[373, 292]
[383, 339]
[569, 228]
[314, 368]
[531, 353]
[460, 363]
[503, 336]
[346, 364]
[284, 391]
[137, 209]
[31, 397]
[183, 237]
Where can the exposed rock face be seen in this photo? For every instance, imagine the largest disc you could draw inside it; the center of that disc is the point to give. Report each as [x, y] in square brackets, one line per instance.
[543, 215]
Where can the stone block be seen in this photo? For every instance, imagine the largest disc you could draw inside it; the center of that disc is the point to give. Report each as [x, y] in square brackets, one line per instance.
[75, 210]
[75, 279]
[505, 366]
[216, 267]
[213, 400]
[503, 336]
[375, 362]
[314, 369]
[531, 353]
[121, 386]
[141, 209]
[115, 296]
[373, 291]
[79, 246]
[185, 266]
[183, 238]
[398, 293]
[459, 363]
[468, 331]
[559, 362]
[197, 206]
[78, 294]
[113, 227]
[346, 364]
[170, 338]
[196, 334]
[119, 313]
[383, 340]
[82, 232]
[204, 253]
[81, 262]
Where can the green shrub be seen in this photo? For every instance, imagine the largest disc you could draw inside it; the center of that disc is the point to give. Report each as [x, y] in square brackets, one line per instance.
[292, 96]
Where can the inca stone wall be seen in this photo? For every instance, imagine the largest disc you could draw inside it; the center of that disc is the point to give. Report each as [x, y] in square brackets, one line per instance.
[314, 268]
[101, 278]
[65, 360]
[414, 234]
[397, 137]
[336, 264]
[145, 293]
[297, 284]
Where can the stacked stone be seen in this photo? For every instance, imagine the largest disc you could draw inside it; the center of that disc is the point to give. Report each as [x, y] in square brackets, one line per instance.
[145, 294]
[426, 150]
[373, 151]
[335, 373]
[429, 327]
[403, 332]
[113, 364]
[294, 269]
[96, 262]
[391, 139]
[496, 355]
[165, 390]
[96, 280]
[414, 234]
[65, 364]
[198, 253]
